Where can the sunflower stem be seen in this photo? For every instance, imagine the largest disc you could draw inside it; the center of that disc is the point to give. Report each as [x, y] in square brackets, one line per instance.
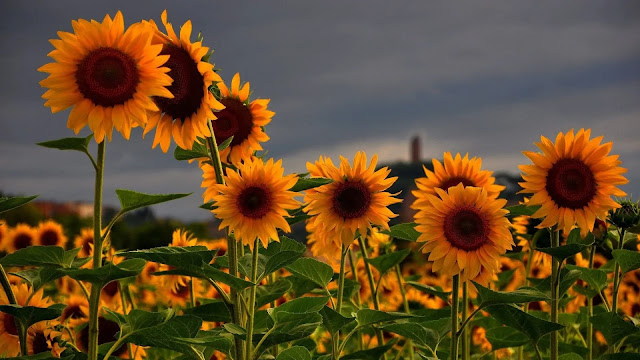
[336, 337]
[354, 273]
[6, 285]
[555, 289]
[192, 294]
[616, 274]
[252, 301]
[236, 311]
[466, 354]
[527, 271]
[372, 285]
[405, 303]
[592, 252]
[454, 317]
[94, 298]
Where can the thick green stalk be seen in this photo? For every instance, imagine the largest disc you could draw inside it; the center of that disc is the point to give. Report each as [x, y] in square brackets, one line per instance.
[336, 336]
[555, 289]
[454, 317]
[466, 350]
[232, 253]
[252, 301]
[592, 252]
[94, 298]
[372, 285]
[405, 303]
[6, 285]
[354, 273]
[616, 275]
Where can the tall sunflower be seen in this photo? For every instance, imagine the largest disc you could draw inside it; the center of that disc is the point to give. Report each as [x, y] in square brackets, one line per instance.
[465, 230]
[106, 74]
[573, 180]
[20, 237]
[254, 201]
[355, 200]
[184, 115]
[457, 170]
[241, 119]
[51, 233]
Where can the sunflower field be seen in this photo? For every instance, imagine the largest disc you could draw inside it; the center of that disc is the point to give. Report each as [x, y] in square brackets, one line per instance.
[554, 277]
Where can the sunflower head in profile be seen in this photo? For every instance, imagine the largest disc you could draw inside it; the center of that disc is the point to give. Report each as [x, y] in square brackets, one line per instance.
[184, 115]
[76, 311]
[572, 180]
[40, 339]
[106, 74]
[51, 233]
[253, 202]
[20, 237]
[84, 241]
[241, 119]
[465, 231]
[355, 201]
[457, 170]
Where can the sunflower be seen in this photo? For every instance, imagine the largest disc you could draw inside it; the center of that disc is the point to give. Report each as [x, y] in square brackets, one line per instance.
[455, 171]
[8, 330]
[76, 311]
[3, 234]
[20, 237]
[180, 295]
[573, 180]
[51, 233]
[354, 201]
[241, 119]
[106, 74]
[184, 115]
[40, 339]
[107, 331]
[179, 238]
[84, 240]
[254, 202]
[465, 230]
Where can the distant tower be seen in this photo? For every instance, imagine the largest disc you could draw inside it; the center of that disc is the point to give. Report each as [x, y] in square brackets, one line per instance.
[414, 151]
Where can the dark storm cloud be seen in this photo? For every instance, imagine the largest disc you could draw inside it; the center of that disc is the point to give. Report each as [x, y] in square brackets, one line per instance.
[487, 78]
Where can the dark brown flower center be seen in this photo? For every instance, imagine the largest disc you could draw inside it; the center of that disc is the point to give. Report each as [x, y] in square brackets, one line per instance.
[50, 237]
[454, 181]
[181, 291]
[234, 120]
[86, 244]
[571, 184]
[187, 87]
[107, 77]
[72, 312]
[22, 241]
[466, 229]
[111, 289]
[40, 343]
[10, 325]
[254, 202]
[351, 199]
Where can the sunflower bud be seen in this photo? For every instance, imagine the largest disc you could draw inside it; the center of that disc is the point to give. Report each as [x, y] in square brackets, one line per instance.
[626, 216]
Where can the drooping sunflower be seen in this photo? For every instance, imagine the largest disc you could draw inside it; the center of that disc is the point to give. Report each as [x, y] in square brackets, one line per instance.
[241, 119]
[572, 180]
[107, 74]
[184, 115]
[457, 170]
[50, 233]
[40, 339]
[254, 201]
[465, 230]
[84, 241]
[20, 237]
[355, 200]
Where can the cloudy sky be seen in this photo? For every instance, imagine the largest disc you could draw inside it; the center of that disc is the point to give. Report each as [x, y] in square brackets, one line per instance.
[486, 78]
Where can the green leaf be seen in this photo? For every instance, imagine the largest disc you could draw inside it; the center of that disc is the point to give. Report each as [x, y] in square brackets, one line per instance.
[613, 327]
[533, 327]
[333, 321]
[488, 297]
[108, 273]
[281, 254]
[29, 315]
[504, 337]
[199, 150]
[567, 278]
[597, 279]
[271, 292]
[370, 354]
[309, 183]
[71, 143]
[140, 319]
[370, 317]
[385, 262]
[444, 295]
[570, 356]
[414, 331]
[294, 353]
[173, 255]
[216, 311]
[225, 144]
[175, 334]
[405, 231]
[312, 269]
[300, 306]
[575, 244]
[628, 260]
[53, 256]
[620, 356]
[298, 218]
[40, 276]
[131, 200]
[207, 271]
[522, 209]
[208, 206]
[8, 203]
